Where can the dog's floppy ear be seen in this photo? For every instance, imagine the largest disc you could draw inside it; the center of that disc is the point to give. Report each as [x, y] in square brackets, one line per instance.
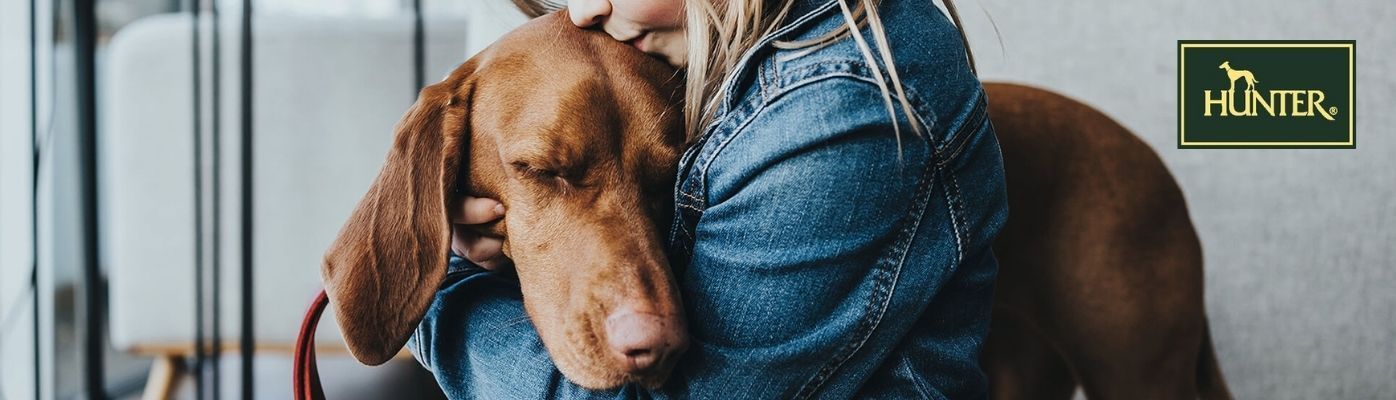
[383, 270]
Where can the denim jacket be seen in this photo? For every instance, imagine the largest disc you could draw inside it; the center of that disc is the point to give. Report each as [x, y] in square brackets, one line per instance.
[818, 254]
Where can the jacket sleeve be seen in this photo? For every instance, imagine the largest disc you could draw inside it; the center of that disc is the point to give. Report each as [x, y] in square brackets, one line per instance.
[800, 273]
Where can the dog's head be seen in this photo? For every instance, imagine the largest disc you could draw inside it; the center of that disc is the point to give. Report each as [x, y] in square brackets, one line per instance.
[578, 136]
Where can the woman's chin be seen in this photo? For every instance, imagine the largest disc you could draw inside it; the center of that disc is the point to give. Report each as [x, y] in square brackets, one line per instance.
[670, 49]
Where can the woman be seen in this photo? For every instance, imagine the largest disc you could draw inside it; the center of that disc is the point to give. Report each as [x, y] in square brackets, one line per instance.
[836, 210]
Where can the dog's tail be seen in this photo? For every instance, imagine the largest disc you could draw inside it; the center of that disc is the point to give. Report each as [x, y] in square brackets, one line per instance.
[1210, 383]
[306, 379]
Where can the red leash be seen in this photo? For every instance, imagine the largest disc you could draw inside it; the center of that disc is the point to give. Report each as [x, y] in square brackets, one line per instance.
[306, 381]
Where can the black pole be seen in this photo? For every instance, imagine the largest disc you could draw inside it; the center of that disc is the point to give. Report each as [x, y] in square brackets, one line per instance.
[197, 84]
[418, 48]
[34, 185]
[85, 66]
[247, 205]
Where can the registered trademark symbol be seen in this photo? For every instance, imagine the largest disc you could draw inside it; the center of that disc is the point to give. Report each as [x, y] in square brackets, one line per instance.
[1332, 110]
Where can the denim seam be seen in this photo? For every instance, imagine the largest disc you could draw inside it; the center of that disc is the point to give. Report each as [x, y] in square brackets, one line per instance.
[727, 86]
[977, 118]
[691, 207]
[425, 356]
[921, 115]
[884, 286]
[690, 196]
[962, 229]
[689, 158]
[858, 70]
[954, 197]
[706, 163]
[954, 207]
[756, 111]
[766, 79]
[916, 381]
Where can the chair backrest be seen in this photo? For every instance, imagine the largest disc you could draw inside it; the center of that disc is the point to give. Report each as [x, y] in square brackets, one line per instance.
[326, 95]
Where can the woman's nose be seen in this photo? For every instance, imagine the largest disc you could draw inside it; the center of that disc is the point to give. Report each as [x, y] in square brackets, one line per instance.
[586, 13]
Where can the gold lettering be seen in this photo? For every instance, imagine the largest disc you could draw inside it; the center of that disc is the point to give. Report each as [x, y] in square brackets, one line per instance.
[1244, 101]
[1317, 104]
[1297, 102]
[1207, 110]
[1256, 98]
[1282, 103]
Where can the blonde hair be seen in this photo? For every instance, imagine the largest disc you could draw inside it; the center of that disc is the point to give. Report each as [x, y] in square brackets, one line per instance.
[721, 31]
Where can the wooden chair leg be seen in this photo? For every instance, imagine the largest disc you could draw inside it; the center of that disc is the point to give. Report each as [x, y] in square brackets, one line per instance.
[164, 377]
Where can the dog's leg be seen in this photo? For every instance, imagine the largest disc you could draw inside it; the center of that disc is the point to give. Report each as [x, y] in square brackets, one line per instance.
[1133, 335]
[1021, 364]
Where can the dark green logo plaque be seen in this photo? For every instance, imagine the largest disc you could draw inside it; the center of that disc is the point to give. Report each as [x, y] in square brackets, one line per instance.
[1266, 94]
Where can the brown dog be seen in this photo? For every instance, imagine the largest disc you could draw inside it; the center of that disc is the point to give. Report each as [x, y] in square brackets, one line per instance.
[1100, 270]
[583, 185]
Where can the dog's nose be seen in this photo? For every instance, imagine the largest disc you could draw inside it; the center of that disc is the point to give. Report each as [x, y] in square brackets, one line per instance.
[643, 341]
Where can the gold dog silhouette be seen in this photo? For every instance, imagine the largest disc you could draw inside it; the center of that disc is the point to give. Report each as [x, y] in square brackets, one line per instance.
[1234, 74]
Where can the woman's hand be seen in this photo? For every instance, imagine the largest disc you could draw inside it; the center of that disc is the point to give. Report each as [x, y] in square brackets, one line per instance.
[485, 251]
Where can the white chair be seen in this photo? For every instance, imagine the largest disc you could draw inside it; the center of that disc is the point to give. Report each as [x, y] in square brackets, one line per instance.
[327, 93]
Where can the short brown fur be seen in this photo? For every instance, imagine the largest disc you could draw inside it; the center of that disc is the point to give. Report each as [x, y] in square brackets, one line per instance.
[1100, 276]
[580, 183]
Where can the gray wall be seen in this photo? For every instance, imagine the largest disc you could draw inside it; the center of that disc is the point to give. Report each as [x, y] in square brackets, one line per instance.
[1300, 244]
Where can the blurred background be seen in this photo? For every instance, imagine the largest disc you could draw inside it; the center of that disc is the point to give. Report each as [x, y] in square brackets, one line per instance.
[123, 203]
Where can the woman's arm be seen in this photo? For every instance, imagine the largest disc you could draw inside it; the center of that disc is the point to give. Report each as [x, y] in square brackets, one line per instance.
[801, 280]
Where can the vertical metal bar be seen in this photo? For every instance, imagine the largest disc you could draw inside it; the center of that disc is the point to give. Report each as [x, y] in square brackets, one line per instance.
[418, 48]
[197, 117]
[247, 206]
[216, 136]
[34, 186]
[85, 67]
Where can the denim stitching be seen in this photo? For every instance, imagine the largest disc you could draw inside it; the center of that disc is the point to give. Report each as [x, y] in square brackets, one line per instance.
[919, 114]
[885, 275]
[706, 163]
[883, 288]
[977, 118]
[765, 81]
[690, 196]
[756, 111]
[916, 382]
[734, 76]
[963, 228]
[683, 205]
[858, 70]
[951, 205]
[683, 175]
[424, 356]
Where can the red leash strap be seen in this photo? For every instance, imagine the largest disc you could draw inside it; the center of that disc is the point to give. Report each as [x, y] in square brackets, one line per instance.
[307, 378]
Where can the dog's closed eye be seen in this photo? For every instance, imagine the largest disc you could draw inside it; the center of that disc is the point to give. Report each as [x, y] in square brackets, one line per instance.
[535, 171]
[539, 173]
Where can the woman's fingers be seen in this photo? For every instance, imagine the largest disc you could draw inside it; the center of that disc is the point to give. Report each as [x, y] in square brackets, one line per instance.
[484, 251]
[477, 210]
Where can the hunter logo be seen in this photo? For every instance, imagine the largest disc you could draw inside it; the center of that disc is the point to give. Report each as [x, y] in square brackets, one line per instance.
[1266, 94]
[1278, 99]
